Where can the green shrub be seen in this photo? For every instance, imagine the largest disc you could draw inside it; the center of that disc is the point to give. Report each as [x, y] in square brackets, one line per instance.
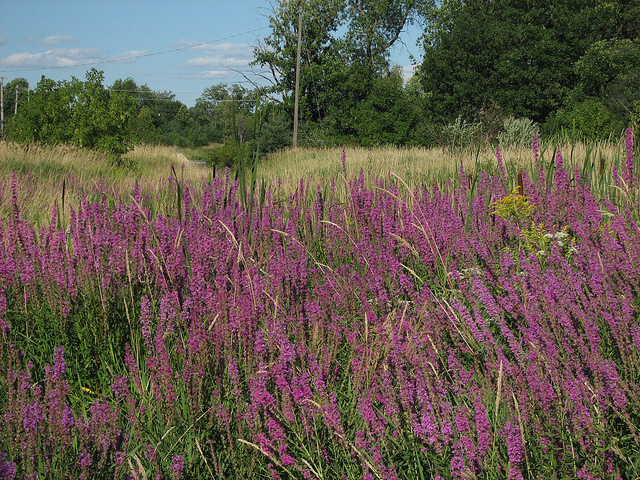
[276, 134]
[588, 119]
[518, 132]
[459, 134]
[228, 154]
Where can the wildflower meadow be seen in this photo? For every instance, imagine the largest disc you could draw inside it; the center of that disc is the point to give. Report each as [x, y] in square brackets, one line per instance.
[482, 326]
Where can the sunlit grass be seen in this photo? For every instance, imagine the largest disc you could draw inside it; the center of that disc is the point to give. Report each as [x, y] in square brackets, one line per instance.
[48, 167]
[417, 165]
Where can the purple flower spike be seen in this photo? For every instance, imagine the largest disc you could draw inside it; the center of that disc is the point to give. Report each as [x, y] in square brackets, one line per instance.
[177, 466]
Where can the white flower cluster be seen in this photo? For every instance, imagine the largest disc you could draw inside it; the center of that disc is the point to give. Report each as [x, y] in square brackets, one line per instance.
[559, 237]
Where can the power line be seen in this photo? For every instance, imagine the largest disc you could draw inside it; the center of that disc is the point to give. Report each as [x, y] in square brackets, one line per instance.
[154, 98]
[134, 57]
[151, 92]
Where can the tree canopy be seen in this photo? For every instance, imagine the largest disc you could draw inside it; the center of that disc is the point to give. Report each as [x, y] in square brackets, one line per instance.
[518, 55]
[82, 113]
[345, 51]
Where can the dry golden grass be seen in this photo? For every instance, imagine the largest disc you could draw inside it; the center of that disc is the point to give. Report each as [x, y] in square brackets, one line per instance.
[415, 165]
[43, 169]
[151, 164]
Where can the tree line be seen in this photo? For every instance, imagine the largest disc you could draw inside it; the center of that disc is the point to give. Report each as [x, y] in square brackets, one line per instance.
[115, 118]
[486, 67]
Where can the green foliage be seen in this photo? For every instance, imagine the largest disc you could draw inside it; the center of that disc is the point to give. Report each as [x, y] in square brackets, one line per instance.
[605, 62]
[143, 124]
[386, 116]
[345, 81]
[460, 134]
[518, 132]
[47, 117]
[228, 154]
[610, 70]
[19, 85]
[490, 72]
[278, 51]
[519, 56]
[220, 103]
[276, 134]
[375, 25]
[586, 119]
[85, 114]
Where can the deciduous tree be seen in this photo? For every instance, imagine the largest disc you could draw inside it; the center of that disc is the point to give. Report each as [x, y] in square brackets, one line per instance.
[345, 49]
[83, 113]
[519, 55]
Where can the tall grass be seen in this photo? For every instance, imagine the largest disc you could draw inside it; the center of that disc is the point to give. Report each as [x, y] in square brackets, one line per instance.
[418, 166]
[64, 174]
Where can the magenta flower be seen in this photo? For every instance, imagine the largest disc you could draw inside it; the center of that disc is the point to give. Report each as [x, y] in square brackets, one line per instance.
[177, 466]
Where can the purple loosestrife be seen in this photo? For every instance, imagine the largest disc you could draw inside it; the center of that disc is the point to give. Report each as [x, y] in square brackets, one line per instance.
[85, 462]
[535, 147]
[59, 414]
[5, 328]
[497, 317]
[483, 429]
[98, 434]
[270, 340]
[161, 373]
[464, 449]
[616, 176]
[177, 466]
[515, 449]
[147, 329]
[7, 468]
[478, 329]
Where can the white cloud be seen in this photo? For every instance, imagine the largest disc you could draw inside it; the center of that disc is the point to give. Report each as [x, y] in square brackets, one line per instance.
[56, 39]
[55, 58]
[210, 61]
[409, 70]
[221, 54]
[132, 55]
[214, 74]
[52, 39]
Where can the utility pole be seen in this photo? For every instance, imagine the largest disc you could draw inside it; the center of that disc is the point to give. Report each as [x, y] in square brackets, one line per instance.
[15, 105]
[295, 108]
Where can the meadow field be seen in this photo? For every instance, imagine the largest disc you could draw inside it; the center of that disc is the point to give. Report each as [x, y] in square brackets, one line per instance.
[333, 314]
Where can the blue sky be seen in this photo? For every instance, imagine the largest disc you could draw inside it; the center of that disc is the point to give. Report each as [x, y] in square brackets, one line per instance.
[182, 46]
